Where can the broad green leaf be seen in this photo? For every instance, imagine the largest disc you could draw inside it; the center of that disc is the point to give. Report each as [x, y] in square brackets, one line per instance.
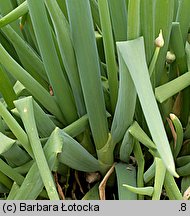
[133, 19]
[44, 124]
[23, 169]
[126, 147]
[183, 18]
[148, 26]
[126, 174]
[30, 83]
[187, 51]
[171, 88]
[5, 143]
[77, 127]
[33, 184]
[171, 187]
[6, 88]
[95, 13]
[77, 157]
[3, 189]
[89, 69]
[13, 191]
[133, 54]
[10, 172]
[118, 12]
[109, 49]
[20, 90]
[8, 46]
[25, 108]
[184, 170]
[5, 180]
[185, 182]
[141, 136]
[62, 5]
[67, 53]
[5, 8]
[125, 109]
[159, 178]
[93, 193]
[28, 57]
[16, 156]
[15, 128]
[50, 59]
[14, 14]
[183, 160]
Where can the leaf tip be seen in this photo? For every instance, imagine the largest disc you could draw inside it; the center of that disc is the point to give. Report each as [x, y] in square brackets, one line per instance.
[173, 172]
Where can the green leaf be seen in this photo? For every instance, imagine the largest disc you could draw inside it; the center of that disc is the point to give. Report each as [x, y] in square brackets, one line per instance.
[10, 172]
[6, 88]
[133, 21]
[125, 109]
[141, 163]
[171, 88]
[179, 133]
[95, 13]
[50, 59]
[44, 124]
[5, 143]
[67, 53]
[33, 184]
[13, 191]
[183, 160]
[164, 12]
[23, 169]
[133, 54]
[140, 190]
[183, 18]
[171, 187]
[159, 179]
[126, 147]
[5, 8]
[125, 174]
[5, 180]
[178, 47]
[93, 193]
[141, 136]
[118, 12]
[77, 157]
[14, 14]
[89, 68]
[185, 182]
[25, 108]
[109, 49]
[16, 156]
[148, 26]
[184, 170]
[28, 57]
[30, 83]
[15, 128]
[150, 173]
